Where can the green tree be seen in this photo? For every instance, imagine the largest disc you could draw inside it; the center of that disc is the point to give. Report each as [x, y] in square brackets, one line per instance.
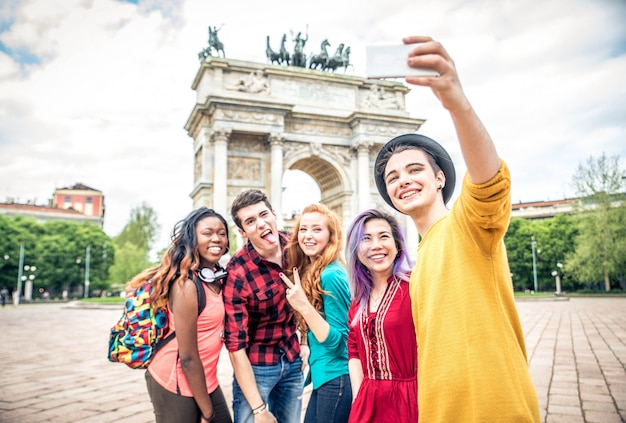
[141, 230]
[10, 240]
[518, 247]
[554, 239]
[53, 248]
[133, 245]
[129, 261]
[600, 253]
[559, 241]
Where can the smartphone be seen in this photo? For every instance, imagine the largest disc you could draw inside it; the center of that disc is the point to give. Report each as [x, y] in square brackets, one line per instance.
[389, 61]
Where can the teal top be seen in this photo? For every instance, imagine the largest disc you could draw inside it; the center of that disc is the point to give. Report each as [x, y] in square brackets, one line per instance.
[329, 359]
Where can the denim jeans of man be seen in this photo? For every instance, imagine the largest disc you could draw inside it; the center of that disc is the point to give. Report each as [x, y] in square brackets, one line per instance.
[280, 387]
[331, 402]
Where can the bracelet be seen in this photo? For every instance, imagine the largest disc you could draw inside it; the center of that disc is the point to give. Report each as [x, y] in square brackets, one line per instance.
[207, 419]
[259, 409]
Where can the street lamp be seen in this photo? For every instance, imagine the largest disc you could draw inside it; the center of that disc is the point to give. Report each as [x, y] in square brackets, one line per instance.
[20, 268]
[557, 276]
[534, 249]
[87, 259]
[28, 281]
[81, 269]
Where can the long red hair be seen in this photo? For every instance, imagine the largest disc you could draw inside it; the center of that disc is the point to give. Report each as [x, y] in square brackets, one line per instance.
[310, 268]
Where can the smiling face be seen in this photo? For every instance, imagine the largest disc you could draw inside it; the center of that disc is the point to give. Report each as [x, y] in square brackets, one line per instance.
[258, 224]
[377, 249]
[212, 240]
[411, 181]
[313, 233]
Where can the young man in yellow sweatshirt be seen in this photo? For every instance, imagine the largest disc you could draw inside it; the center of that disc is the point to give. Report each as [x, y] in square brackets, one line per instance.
[472, 362]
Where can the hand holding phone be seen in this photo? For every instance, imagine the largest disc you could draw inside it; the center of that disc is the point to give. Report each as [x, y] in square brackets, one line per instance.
[390, 61]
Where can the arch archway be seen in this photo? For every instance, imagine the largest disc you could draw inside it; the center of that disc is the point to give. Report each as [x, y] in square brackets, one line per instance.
[327, 125]
[329, 173]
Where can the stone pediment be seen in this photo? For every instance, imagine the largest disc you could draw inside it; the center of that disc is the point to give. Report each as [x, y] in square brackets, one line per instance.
[306, 90]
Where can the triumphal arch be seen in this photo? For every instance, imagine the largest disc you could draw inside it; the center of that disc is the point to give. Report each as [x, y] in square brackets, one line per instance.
[253, 121]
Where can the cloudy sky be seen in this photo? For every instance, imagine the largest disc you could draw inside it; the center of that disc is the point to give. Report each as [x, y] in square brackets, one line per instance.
[98, 91]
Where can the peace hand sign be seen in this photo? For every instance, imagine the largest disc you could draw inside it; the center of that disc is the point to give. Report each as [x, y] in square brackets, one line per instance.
[295, 294]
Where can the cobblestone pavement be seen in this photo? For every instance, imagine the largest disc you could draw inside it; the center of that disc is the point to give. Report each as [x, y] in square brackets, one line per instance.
[54, 366]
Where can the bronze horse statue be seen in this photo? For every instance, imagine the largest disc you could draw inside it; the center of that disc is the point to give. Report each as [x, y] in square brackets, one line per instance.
[283, 54]
[320, 59]
[214, 42]
[272, 56]
[345, 60]
[335, 61]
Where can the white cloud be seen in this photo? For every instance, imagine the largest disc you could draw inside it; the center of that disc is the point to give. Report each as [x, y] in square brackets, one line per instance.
[107, 102]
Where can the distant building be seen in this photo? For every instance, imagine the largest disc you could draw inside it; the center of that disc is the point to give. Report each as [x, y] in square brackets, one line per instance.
[548, 209]
[543, 209]
[78, 203]
[81, 198]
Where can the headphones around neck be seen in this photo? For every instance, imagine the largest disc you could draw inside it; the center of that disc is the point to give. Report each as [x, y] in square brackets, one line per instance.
[209, 275]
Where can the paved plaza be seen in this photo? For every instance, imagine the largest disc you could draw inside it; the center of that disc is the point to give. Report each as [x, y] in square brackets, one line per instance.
[54, 366]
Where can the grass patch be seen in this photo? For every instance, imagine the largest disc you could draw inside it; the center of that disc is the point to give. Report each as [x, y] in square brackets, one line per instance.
[104, 300]
[535, 295]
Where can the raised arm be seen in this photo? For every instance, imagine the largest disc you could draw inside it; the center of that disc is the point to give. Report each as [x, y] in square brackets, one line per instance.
[478, 150]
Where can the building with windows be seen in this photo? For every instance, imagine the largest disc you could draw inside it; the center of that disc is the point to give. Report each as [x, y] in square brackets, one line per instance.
[78, 203]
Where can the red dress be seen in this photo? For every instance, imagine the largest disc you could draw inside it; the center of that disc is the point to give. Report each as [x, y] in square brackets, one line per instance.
[385, 343]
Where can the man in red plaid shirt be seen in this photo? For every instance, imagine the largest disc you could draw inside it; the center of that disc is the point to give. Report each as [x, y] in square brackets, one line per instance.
[260, 328]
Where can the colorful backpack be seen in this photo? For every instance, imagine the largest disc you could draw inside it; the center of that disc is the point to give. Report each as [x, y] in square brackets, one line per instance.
[143, 330]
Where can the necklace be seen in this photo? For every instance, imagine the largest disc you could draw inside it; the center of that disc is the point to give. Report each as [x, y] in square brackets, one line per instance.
[375, 300]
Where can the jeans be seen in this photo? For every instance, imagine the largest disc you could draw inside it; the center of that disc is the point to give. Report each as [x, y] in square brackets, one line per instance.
[280, 386]
[331, 402]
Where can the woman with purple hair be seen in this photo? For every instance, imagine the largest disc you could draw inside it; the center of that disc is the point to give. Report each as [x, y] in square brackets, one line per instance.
[382, 350]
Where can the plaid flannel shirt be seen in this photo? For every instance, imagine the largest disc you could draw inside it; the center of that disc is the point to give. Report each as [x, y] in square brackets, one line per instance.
[258, 317]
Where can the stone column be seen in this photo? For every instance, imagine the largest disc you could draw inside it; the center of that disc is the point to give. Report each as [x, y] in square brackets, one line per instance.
[206, 159]
[220, 169]
[276, 194]
[363, 171]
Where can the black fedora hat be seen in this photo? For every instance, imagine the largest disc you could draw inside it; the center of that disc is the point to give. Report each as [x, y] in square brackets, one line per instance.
[432, 147]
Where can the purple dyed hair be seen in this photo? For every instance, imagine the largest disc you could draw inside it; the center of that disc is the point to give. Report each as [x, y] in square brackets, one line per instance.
[359, 277]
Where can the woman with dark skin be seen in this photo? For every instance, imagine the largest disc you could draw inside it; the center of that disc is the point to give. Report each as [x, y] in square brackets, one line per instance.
[182, 376]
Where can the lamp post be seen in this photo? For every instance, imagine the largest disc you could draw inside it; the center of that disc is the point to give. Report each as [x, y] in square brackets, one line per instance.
[28, 282]
[87, 258]
[80, 271]
[3, 291]
[534, 249]
[558, 277]
[20, 267]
